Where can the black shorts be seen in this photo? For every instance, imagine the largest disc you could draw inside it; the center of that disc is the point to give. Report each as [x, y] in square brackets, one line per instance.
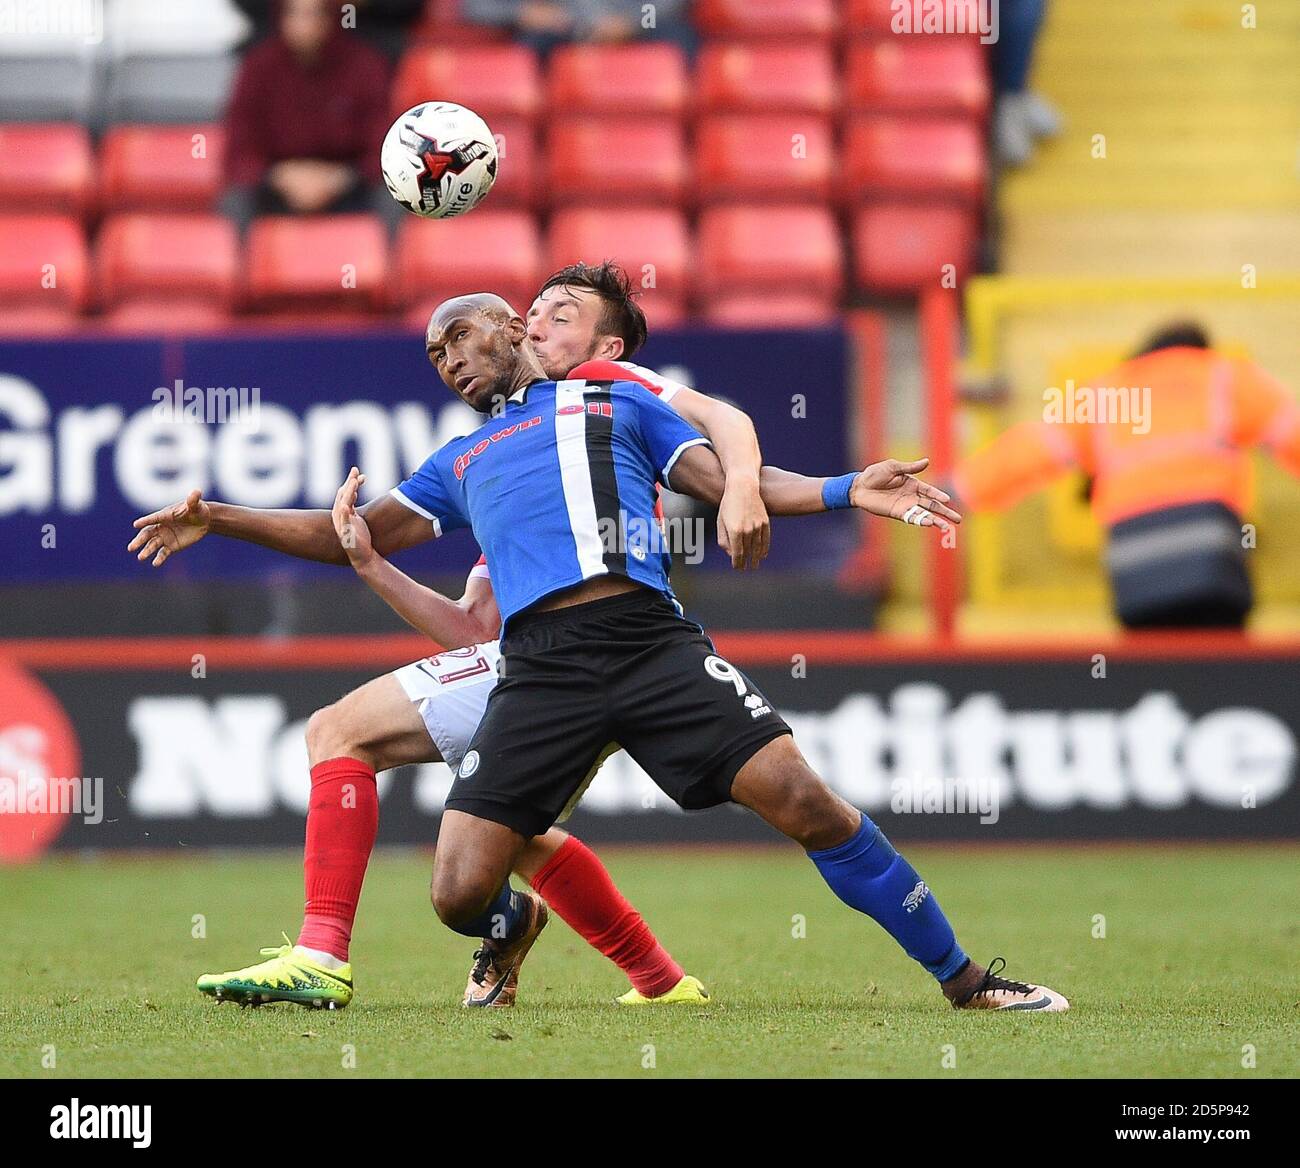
[626, 670]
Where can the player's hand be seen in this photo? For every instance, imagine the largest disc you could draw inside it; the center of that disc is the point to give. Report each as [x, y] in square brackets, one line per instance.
[744, 529]
[890, 489]
[171, 530]
[353, 532]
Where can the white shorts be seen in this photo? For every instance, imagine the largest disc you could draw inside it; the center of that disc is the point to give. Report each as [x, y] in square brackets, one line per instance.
[451, 691]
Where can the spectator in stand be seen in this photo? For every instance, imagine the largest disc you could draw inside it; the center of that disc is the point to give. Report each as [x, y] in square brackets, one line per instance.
[543, 24]
[384, 23]
[1019, 116]
[305, 121]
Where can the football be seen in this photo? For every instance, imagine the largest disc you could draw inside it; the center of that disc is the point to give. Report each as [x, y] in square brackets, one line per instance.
[439, 159]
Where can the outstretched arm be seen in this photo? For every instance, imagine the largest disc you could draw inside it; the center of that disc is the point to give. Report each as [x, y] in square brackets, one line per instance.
[471, 620]
[889, 489]
[308, 535]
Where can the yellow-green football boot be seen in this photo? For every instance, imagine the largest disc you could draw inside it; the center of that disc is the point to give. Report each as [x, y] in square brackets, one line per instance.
[288, 976]
[688, 991]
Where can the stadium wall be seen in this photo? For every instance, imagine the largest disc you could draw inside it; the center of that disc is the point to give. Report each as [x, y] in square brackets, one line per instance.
[97, 430]
[185, 743]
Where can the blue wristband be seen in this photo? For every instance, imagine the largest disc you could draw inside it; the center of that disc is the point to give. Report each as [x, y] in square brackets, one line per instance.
[835, 492]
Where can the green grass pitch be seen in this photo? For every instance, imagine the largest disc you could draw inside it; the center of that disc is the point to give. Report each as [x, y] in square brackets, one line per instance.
[1195, 975]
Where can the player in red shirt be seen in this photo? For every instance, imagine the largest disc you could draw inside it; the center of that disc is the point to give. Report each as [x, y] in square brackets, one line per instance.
[583, 323]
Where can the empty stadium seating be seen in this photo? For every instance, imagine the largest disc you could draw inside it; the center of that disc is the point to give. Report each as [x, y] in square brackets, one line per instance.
[489, 78]
[496, 250]
[777, 156]
[40, 89]
[886, 155]
[518, 162]
[607, 160]
[756, 78]
[335, 264]
[884, 17]
[783, 20]
[782, 309]
[164, 258]
[161, 167]
[756, 251]
[168, 89]
[43, 266]
[920, 76]
[902, 247]
[44, 165]
[639, 80]
[797, 119]
[651, 243]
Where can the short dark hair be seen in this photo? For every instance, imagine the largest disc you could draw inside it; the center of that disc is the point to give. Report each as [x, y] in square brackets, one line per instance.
[623, 316]
[1182, 334]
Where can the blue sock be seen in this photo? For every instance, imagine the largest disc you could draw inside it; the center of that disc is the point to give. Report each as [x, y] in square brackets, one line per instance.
[498, 920]
[867, 874]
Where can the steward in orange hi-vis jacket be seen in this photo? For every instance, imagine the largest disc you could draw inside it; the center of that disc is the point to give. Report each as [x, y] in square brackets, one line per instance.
[1163, 438]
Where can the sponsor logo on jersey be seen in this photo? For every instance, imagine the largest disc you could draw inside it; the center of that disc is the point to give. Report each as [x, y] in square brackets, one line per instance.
[463, 460]
[603, 408]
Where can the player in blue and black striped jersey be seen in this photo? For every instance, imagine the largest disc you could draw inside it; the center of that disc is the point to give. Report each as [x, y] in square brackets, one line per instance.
[596, 651]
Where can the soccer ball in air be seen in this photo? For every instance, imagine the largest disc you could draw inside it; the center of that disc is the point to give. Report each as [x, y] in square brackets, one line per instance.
[439, 159]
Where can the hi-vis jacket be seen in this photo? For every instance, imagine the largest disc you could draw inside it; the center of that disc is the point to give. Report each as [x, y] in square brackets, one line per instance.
[1202, 414]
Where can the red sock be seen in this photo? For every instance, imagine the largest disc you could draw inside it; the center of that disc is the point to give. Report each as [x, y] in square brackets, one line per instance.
[342, 820]
[576, 885]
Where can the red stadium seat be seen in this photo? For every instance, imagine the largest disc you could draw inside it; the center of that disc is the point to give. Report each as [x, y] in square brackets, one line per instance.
[874, 17]
[912, 17]
[43, 266]
[770, 310]
[441, 21]
[518, 166]
[914, 156]
[43, 166]
[161, 168]
[755, 78]
[617, 79]
[332, 263]
[616, 160]
[762, 251]
[491, 250]
[490, 79]
[652, 244]
[784, 20]
[764, 155]
[155, 257]
[901, 247]
[35, 320]
[172, 315]
[940, 76]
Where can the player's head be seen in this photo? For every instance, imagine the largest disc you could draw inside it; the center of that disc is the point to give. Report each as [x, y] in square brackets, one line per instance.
[585, 312]
[1180, 334]
[478, 344]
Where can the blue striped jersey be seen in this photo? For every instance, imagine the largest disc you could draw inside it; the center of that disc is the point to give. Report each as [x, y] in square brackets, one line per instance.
[559, 487]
